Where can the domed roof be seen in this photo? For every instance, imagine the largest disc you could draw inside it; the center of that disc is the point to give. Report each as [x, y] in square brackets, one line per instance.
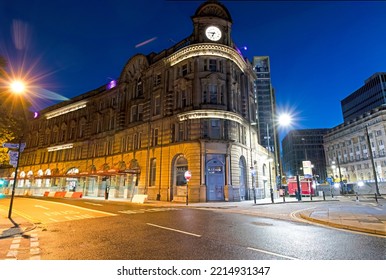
[213, 8]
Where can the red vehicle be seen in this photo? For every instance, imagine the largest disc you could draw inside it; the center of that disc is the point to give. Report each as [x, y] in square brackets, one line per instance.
[306, 186]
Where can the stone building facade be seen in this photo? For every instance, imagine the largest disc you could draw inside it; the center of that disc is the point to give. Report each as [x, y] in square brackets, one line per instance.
[189, 107]
[349, 146]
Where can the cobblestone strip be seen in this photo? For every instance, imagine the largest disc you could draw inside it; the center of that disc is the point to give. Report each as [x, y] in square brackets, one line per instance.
[34, 250]
[16, 251]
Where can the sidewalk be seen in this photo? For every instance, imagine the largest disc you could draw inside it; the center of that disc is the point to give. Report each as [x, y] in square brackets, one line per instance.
[364, 215]
[15, 225]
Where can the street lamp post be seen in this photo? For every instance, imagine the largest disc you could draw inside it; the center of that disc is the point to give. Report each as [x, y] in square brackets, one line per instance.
[372, 163]
[14, 179]
[16, 87]
[270, 180]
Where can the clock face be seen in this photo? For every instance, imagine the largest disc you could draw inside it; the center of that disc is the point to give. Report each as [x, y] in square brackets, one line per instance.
[213, 33]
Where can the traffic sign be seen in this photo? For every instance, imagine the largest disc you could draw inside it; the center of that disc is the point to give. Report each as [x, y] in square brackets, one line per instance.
[188, 175]
[13, 154]
[14, 146]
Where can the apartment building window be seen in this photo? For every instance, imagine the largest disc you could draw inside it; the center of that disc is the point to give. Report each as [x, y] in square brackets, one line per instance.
[153, 171]
[139, 88]
[47, 138]
[82, 128]
[181, 131]
[184, 99]
[135, 141]
[140, 112]
[155, 137]
[212, 129]
[157, 80]
[212, 65]
[133, 113]
[72, 132]
[157, 106]
[184, 70]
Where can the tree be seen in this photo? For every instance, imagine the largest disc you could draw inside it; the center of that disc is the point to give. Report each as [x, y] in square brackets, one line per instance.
[13, 114]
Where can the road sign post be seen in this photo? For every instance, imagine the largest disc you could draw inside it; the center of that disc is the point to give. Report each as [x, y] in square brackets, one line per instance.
[15, 156]
[187, 176]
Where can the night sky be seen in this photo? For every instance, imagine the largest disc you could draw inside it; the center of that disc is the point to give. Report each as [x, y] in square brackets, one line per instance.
[320, 51]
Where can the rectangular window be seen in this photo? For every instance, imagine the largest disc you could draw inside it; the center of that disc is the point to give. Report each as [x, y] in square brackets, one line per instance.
[213, 94]
[134, 113]
[153, 169]
[140, 112]
[184, 101]
[157, 105]
[184, 70]
[157, 80]
[135, 141]
[212, 65]
[181, 131]
[155, 137]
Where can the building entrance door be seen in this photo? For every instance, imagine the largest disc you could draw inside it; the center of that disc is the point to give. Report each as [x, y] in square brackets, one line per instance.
[215, 180]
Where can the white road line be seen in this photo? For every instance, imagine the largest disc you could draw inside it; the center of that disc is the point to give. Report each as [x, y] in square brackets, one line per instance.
[95, 204]
[78, 207]
[39, 206]
[176, 230]
[271, 253]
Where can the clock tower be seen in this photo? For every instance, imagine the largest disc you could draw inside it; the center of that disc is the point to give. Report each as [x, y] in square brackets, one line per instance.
[212, 23]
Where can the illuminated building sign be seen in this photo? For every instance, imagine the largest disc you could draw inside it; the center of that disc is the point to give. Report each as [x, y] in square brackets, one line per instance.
[66, 109]
[60, 147]
[210, 114]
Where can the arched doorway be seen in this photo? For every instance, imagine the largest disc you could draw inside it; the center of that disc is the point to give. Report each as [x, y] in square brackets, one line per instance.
[243, 179]
[180, 166]
[215, 179]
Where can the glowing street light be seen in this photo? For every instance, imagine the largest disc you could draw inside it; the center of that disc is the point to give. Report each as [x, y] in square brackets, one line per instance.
[17, 87]
[284, 119]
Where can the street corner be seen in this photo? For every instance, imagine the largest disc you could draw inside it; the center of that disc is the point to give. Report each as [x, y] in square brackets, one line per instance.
[14, 226]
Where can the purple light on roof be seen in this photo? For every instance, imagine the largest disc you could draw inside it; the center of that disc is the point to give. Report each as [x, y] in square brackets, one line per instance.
[36, 114]
[111, 84]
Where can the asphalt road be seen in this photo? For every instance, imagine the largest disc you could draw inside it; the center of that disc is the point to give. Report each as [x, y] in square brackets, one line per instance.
[99, 230]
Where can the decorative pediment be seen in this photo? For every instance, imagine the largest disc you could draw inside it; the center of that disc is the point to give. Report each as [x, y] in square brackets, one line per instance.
[213, 8]
[134, 67]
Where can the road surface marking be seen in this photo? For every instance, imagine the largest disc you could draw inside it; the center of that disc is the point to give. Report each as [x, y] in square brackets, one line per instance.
[176, 230]
[39, 206]
[78, 207]
[95, 204]
[271, 253]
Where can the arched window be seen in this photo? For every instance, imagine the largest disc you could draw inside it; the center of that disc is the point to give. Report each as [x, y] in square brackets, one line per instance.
[181, 167]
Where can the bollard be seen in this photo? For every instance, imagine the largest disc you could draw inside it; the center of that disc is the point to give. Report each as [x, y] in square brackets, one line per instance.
[283, 198]
[357, 198]
[324, 196]
[376, 197]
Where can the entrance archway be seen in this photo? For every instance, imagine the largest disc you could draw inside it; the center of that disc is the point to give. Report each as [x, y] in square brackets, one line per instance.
[179, 166]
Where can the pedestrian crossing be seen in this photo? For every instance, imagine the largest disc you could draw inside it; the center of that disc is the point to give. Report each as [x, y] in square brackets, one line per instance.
[22, 247]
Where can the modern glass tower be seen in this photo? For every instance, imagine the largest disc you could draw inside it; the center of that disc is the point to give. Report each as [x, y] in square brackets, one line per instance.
[370, 96]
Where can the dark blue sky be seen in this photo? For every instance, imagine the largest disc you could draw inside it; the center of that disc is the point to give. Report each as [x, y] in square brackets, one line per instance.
[320, 51]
